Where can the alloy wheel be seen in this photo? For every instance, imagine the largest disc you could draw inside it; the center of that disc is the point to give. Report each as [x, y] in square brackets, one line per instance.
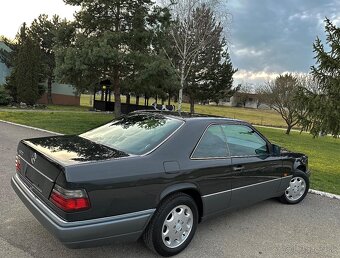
[177, 226]
[296, 189]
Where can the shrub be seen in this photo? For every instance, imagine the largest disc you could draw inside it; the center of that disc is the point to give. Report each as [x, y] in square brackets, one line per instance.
[5, 98]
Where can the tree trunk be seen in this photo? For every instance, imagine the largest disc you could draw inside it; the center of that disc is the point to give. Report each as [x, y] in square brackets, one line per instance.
[288, 129]
[137, 100]
[180, 93]
[117, 93]
[116, 84]
[128, 98]
[169, 100]
[49, 91]
[94, 96]
[192, 106]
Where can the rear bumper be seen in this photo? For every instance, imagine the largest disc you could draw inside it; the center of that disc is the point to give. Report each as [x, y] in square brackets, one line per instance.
[78, 234]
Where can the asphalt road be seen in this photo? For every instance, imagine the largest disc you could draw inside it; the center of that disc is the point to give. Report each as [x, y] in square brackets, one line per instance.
[267, 229]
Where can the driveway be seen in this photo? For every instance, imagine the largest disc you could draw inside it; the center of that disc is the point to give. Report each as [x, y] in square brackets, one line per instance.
[267, 229]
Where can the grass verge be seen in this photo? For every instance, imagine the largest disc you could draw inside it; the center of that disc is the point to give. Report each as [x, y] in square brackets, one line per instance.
[61, 122]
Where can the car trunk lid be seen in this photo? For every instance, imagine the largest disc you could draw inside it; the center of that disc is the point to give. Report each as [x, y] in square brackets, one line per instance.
[43, 159]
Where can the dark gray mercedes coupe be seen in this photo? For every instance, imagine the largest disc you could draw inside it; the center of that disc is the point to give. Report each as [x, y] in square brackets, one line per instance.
[154, 175]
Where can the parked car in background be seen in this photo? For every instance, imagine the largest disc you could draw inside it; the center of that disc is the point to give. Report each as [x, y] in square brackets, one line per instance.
[154, 175]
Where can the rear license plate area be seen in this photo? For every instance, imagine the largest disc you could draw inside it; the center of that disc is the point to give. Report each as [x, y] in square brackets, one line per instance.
[35, 178]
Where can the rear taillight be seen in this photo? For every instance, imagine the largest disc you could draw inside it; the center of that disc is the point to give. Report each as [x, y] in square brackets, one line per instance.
[17, 164]
[69, 200]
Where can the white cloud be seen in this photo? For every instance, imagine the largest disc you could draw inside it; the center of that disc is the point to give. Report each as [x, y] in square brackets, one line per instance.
[259, 77]
[248, 52]
[301, 16]
[16, 12]
[245, 75]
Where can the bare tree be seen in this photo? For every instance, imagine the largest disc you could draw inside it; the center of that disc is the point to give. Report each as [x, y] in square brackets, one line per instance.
[260, 95]
[280, 95]
[189, 36]
[309, 83]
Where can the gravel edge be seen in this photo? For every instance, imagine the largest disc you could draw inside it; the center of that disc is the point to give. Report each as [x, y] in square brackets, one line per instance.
[325, 194]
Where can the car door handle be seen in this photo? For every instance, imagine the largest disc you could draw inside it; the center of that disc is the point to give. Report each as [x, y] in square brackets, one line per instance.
[238, 168]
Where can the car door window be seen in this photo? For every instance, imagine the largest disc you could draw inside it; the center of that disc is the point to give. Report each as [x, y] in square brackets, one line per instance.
[244, 141]
[212, 144]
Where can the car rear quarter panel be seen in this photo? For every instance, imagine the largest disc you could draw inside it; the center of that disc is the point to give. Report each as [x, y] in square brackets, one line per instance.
[135, 183]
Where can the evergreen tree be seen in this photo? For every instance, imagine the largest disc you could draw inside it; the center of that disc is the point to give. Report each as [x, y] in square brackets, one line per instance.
[222, 84]
[43, 30]
[26, 74]
[323, 105]
[210, 74]
[113, 41]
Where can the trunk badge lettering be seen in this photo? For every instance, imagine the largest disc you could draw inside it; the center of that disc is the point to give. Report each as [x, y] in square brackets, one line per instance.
[33, 158]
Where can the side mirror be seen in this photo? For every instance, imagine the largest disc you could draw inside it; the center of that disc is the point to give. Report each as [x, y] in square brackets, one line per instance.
[276, 150]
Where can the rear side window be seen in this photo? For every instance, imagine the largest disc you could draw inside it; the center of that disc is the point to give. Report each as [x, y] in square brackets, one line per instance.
[212, 144]
[244, 141]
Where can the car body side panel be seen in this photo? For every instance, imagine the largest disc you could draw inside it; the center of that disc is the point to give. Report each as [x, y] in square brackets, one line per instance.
[213, 176]
[258, 180]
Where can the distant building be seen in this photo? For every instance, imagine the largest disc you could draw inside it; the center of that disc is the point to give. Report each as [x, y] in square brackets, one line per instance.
[62, 94]
[4, 70]
[240, 99]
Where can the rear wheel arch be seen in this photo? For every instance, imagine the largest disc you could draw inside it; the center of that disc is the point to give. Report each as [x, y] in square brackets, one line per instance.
[187, 188]
[155, 235]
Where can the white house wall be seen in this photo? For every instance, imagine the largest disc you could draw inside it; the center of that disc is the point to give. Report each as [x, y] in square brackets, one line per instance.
[4, 72]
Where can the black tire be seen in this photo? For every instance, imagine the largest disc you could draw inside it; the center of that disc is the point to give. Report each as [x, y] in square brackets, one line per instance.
[297, 174]
[153, 234]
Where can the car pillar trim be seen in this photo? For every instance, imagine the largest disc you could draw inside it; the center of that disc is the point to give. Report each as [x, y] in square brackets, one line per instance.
[268, 181]
[167, 138]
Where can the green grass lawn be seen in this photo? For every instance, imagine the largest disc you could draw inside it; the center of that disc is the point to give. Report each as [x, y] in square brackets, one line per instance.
[68, 108]
[323, 152]
[61, 122]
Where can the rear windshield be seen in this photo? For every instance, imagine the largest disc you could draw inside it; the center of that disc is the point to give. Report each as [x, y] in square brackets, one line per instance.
[134, 134]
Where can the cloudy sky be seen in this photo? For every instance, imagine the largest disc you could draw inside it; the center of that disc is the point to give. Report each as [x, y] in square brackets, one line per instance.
[14, 12]
[267, 37]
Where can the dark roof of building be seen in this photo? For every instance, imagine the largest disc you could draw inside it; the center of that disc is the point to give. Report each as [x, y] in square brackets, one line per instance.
[3, 46]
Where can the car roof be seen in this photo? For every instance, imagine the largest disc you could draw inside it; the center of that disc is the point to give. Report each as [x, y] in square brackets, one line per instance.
[188, 116]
